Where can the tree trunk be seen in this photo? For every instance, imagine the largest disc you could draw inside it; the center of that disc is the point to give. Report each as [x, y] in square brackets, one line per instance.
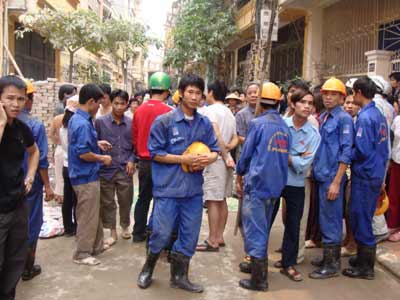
[71, 65]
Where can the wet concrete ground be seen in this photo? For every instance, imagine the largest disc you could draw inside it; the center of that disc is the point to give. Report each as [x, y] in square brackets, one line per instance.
[116, 277]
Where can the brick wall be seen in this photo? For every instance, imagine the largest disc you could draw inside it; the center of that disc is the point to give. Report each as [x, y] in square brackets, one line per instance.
[45, 100]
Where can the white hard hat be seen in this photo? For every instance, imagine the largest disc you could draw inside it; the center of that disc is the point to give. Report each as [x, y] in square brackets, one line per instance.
[350, 82]
[382, 85]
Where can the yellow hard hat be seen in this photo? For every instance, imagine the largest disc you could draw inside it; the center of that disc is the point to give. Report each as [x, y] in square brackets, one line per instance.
[176, 98]
[270, 93]
[195, 148]
[382, 205]
[29, 87]
[334, 85]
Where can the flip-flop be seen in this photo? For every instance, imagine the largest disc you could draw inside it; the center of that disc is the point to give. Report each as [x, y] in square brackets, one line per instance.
[222, 244]
[88, 261]
[296, 276]
[395, 237]
[109, 242]
[278, 264]
[206, 247]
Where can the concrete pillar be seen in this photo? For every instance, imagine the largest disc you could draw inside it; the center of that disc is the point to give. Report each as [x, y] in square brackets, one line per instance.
[312, 56]
[379, 62]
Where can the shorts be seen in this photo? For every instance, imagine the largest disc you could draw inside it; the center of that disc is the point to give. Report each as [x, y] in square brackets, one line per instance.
[218, 181]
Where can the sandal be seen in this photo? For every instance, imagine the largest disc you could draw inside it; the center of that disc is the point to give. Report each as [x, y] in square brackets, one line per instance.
[222, 244]
[278, 264]
[206, 247]
[395, 237]
[278, 250]
[88, 261]
[109, 242]
[125, 233]
[310, 244]
[292, 274]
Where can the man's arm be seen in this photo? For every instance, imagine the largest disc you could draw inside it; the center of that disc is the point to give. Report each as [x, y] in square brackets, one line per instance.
[233, 142]
[221, 144]
[3, 120]
[345, 148]
[92, 157]
[33, 162]
[43, 162]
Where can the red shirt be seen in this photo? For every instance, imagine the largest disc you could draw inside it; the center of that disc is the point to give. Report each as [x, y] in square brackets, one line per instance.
[142, 121]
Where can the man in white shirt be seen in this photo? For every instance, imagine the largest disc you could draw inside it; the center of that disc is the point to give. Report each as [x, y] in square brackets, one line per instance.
[218, 177]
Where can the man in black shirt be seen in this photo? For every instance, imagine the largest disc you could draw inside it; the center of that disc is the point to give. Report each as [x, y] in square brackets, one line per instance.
[15, 139]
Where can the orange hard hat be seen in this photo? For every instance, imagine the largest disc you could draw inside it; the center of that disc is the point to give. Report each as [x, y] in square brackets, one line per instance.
[176, 98]
[383, 204]
[29, 87]
[270, 93]
[334, 85]
[195, 148]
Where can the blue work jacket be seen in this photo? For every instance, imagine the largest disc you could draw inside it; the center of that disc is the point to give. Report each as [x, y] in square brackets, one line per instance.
[171, 133]
[264, 158]
[370, 152]
[82, 137]
[336, 143]
[39, 134]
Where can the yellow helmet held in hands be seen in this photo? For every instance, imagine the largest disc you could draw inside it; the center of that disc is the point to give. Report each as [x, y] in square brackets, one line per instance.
[382, 205]
[176, 98]
[334, 85]
[195, 148]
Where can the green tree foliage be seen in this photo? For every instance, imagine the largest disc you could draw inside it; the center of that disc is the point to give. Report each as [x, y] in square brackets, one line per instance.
[202, 31]
[68, 31]
[78, 29]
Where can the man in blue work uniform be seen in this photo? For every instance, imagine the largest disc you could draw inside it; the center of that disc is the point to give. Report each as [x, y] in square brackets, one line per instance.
[35, 196]
[330, 164]
[178, 196]
[264, 165]
[369, 156]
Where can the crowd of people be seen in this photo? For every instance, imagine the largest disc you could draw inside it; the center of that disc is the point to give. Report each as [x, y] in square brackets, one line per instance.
[322, 155]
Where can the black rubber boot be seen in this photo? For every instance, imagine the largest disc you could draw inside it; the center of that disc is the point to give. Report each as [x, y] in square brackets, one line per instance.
[179, 274]
[245, 267]
[317, 262]
[364, 267]
[31, 270]
[145, 277]
[331, 263]
[258, 279]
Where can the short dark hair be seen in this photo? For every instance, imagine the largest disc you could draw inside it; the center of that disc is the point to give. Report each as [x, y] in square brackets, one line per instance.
[299, 83]
[269, 106]
[318, 102]
[349, 91]
[298, 95]
[106, 88]
[90, 91]
[133, 99]
[119, 93]
[191, 80]
[219, 89]
[395, 76]
[157, 92]
[11, 80]
[366, 86]
[65, 89]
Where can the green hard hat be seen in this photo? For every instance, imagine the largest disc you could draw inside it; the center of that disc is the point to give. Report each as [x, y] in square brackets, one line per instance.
[160, 81]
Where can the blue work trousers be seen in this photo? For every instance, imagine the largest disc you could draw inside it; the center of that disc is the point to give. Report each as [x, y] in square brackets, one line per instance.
[330, 214]
[35, 208]
[256, 218]
[362, 208]
[187, 212]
